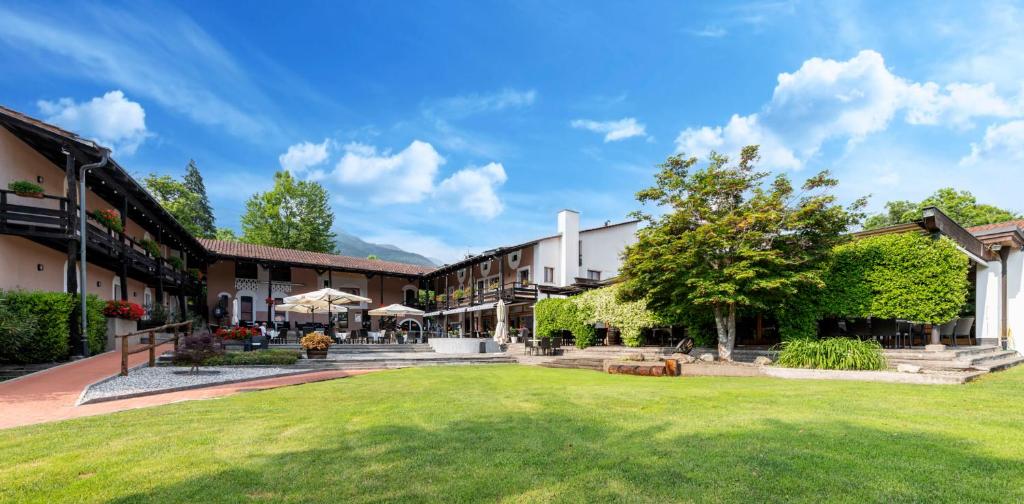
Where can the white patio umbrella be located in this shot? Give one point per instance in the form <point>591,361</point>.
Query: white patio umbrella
<point>311,307</point>
<point>500,329</point>
<point>395,310</point>
<point>327,296</point>
<point>236,309</point>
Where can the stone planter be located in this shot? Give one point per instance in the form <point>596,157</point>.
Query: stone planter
<point>37,195</point>
<point>316,354</point>
<point>117,327</point>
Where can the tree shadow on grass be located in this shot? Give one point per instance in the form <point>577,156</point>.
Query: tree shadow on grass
<point>544,457</point>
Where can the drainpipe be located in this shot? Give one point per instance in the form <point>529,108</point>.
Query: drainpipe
<point>1004,252</point>
<point>82,241</point>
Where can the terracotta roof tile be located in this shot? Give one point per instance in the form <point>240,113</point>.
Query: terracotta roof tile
<point>267,253</point>
<point>1019,223</point>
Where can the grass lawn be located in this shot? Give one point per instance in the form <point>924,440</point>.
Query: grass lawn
<point>521,433</point>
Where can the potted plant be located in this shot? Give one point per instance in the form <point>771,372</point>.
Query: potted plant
<point>122,318</point>
<point>150,246</point>
<point>26,189</point>
<point>175,262</point>
<point>109,218</point>
<point>316,345</point>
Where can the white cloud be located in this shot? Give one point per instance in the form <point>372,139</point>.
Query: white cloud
<point>709,31</point>
<point>465,105</point>
<point>404,177</point>
<point>154,52</point>
<point>475,190</point>
<point>826,100</point>
<point>614,131</point>
<point>1003,144</point>
<point>112,120</point>
<point>301,157</point>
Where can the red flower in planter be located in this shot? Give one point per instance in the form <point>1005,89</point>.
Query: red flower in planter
<point>123,310</point>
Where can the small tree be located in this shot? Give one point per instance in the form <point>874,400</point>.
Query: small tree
<point>294,214</point>
<point>196,348</point>
<point>729,241</point>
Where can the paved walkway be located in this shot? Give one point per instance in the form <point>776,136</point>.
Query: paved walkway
<point>50,395</point>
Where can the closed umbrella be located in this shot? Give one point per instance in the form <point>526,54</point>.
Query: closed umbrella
<point>236,309</point>
<point>500,329</point>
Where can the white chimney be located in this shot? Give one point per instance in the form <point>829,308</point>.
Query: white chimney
<point>569,249</point>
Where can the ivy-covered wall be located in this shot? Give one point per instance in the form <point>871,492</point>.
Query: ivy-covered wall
<point>578,315</point>
<point>908,276</point>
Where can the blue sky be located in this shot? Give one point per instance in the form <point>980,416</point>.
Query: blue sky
<point>447,127</point>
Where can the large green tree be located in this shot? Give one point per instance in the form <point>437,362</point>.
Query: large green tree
<point>177,199</point>
<point>960,206</point>
<point>294,214</point>
<point>729,239</point>
<point>204,213</point>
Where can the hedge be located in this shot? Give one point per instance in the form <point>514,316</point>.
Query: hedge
<point>908,276</point>
<point>52,313</point>
<point>555,315</point>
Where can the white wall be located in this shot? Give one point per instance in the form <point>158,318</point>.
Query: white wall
<point>1015,299</point>
<point>569,247</point>
<point>603,247</point>
<point>987,296</point>
<point>546,254</point>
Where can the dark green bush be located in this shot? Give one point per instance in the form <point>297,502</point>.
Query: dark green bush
<point>15,331</point>
<point>52,313</point>
<point>256,358</point>
<point>832,353</point>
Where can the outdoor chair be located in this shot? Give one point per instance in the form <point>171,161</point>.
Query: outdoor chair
<point>829,328</point>
<point>858,328</point>
<point>545,346</point>
<point>963,329</point>
<point>886,330</point>
<point>530,348</point>
<point>556,345</point>
<point>947,330</point>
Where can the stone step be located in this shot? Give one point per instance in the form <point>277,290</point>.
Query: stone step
<point>980,359</point>
<point>399,363</point>
<point>1001,364</point>
<point>983,361</point>
<point>950,353</point>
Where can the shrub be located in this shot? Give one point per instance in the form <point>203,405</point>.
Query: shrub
<point>832,353</point>
<point>52,313</point>
<point>97,328</point>
<point>124,310</point>
<point>197,348</point>
<point>316,341</point>
<point>258,358</point>
<point>109,218</point>
<point>15,331</point>
<point>24,187</point>
<point>157,314</point>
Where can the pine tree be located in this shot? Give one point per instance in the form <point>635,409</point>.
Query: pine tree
<point>204,219</point>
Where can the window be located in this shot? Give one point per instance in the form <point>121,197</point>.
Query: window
<point>524,276</point>
<point>549,274</point>
<point>410,297</point>
<point>246,302</point>
<point>594,275</point>
<point>581,252</point>
<point>281,274</point>
<point>342,319</point>
<point>246,270</point>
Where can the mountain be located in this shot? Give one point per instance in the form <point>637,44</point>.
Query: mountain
<point>354,246</point>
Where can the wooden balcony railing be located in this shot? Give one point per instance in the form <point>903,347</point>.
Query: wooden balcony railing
<point>513,292</point>
<point>48,217</point>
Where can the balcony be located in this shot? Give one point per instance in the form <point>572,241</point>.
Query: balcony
<point>511,293</point>
<point>47,220</point>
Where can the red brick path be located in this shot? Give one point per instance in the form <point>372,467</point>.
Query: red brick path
<point>51,394</point>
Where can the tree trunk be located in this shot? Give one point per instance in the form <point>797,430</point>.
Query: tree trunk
<point>725,323</point>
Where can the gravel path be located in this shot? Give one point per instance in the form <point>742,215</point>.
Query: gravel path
<point>149,380</point>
